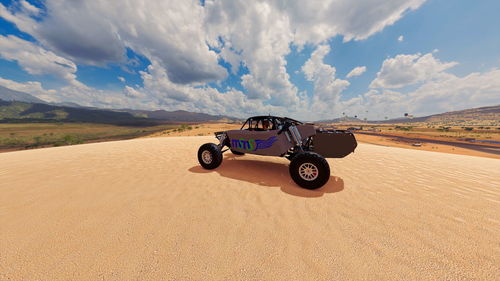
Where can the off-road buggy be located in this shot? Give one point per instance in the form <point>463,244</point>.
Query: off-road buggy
<point>305,145</point>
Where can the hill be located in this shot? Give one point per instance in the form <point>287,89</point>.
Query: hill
<point>180,115</point>
<point>467,116</point>
<point>7,94</point>
<point>345,119</point>
<point>22,112</point>
<point>481,115</point>
<point>15,107</point>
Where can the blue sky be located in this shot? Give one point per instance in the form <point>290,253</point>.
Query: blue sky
<point>261,62</point>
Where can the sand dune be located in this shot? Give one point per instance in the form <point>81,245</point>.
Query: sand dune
<point>144,210</point>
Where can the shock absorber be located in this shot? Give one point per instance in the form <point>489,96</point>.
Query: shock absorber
<point>297,138</point>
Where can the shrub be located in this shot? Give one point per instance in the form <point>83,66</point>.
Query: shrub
<point>403,128</point>
<point>68,140</point>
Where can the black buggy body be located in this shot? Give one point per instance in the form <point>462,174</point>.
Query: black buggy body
<point>305,145</point>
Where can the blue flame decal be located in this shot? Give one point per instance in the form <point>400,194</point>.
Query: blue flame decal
<point>263,144</point>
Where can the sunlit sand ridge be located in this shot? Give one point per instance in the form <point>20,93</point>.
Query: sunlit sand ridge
<point>145,210</point>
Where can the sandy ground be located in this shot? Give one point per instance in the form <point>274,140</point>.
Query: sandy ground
<point>143,209</point>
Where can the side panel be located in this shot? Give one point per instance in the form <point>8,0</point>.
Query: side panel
<point>334,144</point>
<point>259,142</point>
<point>306,131</point>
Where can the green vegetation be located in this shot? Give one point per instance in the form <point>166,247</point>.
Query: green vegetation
<point>183,128</point>
<point>21,112</point>
<point>402,128</point>
<point>32,135</point>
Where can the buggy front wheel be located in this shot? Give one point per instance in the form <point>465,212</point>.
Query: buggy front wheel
<point>209,156</point>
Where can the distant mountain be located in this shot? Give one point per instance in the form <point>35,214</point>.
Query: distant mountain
<point>75,112</point>
<point>23,112</point>
<point>466,116</point>
<point>180,115</point>
<point>489,113</point>
<point>7,94</point>
<point>341,120</point>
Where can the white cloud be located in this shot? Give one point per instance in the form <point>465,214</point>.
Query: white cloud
<point>29,9</point>
<point>404,70</point>
<point>456,93</point>
<point>35,59</point>
<point>260,33</point>
<point>21,17</point>
<point>434,96</point>
<point>317,21</point>
<point>171,96</point>
<point>97,32</point>
<point>356,71</point>
<point>133,93</point>
<point>175,37</point>
<point>401,38</point>
<point>34,88</point>
<point>327,88</point>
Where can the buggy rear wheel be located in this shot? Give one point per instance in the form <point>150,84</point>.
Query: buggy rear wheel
<point>209,156</point>
<point>309,170</point>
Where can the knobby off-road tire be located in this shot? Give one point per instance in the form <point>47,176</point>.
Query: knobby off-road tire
<point>309,170</point>
<point>209,156</point>
<point>237,152</point>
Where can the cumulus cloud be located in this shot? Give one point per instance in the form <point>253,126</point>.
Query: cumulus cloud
<point>133,93</point>
<point>95,32</point>
<point>327,88</point>
<point>34,88</point>
<point>159,89</point>
<point>29,9</point>
<point>35,59</point>
<point>356,71</point>
<point>316,21</point>
<point>404,70</point>
<point>259,33</point>
<point>434,96</point>
<point>184,41</point>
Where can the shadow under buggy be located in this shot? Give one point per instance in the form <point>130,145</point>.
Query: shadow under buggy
<point>303,144</point>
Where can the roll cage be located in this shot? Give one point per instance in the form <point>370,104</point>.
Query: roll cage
<point>276,123</point>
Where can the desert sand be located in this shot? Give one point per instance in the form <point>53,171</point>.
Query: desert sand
<point>144,209</point>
